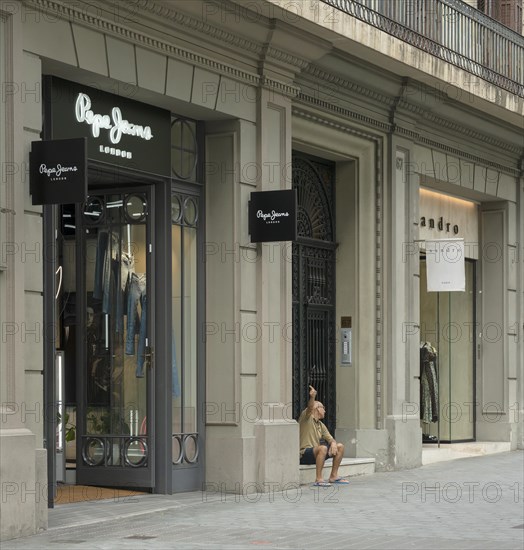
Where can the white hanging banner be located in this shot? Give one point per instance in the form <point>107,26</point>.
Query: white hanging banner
<point>445,265</point>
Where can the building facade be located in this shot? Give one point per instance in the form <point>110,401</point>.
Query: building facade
<point>148,343</point>
<point>508,12</point>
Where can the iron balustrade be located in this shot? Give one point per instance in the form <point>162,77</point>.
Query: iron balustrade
<point>450,30</point>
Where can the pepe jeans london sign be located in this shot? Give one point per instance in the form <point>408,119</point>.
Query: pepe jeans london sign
<point>273,216</point>
<point>116,125</point>
<point>119,130</point>
<point>58,171</point>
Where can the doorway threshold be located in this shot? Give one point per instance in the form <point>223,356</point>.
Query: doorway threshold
<point>69,494</point>
<point>431,452</point>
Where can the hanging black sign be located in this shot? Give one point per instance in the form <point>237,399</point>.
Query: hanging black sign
<point>273,216</point>
<point>58,171</point>
<point>119,130</point>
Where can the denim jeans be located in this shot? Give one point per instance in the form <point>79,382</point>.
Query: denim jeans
<point>125,268</point>
<point>101,250</point>
<point>142,339</point>
<point>105,275</point>
<point>137,324</point>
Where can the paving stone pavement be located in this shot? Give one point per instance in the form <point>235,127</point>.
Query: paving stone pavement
<point>470,503</point>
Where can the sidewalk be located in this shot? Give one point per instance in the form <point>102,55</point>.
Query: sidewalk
<point>470,503</point>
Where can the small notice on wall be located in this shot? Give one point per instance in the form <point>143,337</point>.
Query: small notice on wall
<point>445,265</point>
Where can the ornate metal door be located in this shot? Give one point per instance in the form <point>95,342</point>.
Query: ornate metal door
<point>114,340</point>
<point>314,286</point>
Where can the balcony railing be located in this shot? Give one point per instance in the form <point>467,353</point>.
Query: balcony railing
<point>450,30</point>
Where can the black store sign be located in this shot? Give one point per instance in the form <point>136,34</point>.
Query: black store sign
<point>119,130</point>
<point>58,171</point>
<point>273,216</point>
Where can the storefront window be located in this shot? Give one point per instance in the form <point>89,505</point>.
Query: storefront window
<point>117,322</point>
<point>184,218</point>
<point>447,361</point>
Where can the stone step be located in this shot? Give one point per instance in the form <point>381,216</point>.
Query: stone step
<point>431,452</point>
<point>349,467</point>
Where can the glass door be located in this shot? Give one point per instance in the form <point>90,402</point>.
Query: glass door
<point>447,361</point>
<point>114,344</point>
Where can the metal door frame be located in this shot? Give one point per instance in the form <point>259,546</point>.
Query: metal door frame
<point>142,476</point>
<point>103,177</point>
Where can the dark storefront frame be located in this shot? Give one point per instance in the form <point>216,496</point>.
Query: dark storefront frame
<point>102,176</point>
<point>189,475</point>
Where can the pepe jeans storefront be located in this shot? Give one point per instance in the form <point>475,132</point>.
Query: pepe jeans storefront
<point>122,364</point>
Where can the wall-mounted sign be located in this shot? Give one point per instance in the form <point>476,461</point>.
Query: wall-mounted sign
<point>443,216</point>
<point>273,216</point>
<point>119,130</point>
<point>439,224</point>
<point>58,171</point>
<point>445,265</point>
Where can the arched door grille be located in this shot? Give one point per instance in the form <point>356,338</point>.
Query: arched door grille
<point>314,286</point>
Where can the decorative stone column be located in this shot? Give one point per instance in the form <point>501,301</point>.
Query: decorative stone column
<point>401,349</point>
<point>276,433</point>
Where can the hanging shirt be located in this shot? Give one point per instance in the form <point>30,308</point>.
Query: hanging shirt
<point>127,266</point>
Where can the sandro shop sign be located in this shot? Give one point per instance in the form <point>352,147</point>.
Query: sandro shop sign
<point>119,130</point>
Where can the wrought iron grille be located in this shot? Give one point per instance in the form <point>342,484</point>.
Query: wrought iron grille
<point>450,30</point>
<point>314,286</point>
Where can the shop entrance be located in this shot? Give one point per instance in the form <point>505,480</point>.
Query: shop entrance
<point>447,361</point>
<point>105,347</point>
<point>314,286</point>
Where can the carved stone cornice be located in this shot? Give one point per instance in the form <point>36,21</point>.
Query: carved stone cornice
<point>285,57</point>
<point>287,90</point>
<point>415,136</point>
<point>410,107</point>
<point>241,43</point>
<point>73,13</point>
<point>104,25</point>
<point>345,86</point>
<point>459,153</point>
<point>186,21</point>
<point>345,127</point>
<point>469,132</point>
<point>346,113</point>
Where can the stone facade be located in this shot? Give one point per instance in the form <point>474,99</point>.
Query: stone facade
<point>268,80</point>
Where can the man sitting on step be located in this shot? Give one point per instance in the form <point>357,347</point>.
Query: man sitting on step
<point>317,444</point>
